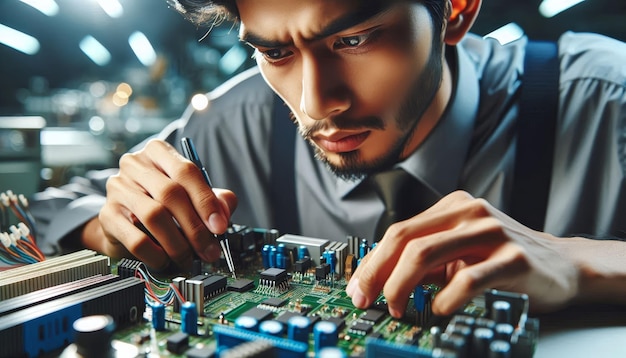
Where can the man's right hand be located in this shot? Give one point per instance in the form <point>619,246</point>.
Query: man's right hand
<point>160,209</point>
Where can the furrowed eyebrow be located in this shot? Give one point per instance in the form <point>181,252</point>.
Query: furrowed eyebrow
<point>344,22</point>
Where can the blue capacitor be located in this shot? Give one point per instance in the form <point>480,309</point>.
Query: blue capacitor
<point>281,261</point>
<point>271,327</point>
<point>265,254</point>
<point>331,259</point>
<point>189,318</point>
<point>363,249</point>
<point>325,334</point>
<point>303,252</point>
<point>330,352</point>
<point>158,316</point>
<point>247,323</point>
<point>273,252</point>
<point>420,296</point>
<point>298,328</point>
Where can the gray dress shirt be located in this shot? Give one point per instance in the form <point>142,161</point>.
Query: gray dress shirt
<point>471,148</point>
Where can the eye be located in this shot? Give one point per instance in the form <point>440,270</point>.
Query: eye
<point>275,54</point>
<point>354,41</point>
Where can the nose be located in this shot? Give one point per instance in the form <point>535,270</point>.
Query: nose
<point>324,91</point>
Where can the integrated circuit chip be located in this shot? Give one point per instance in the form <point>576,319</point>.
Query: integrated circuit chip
<point>373,315</point>
<point>274,302</point>
<point>361,328</point>
<point>241,285</point>
<point>258,314</point>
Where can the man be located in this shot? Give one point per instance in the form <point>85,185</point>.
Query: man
<point>374,85</point>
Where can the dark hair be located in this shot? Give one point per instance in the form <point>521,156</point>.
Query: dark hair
<point>211,12</point>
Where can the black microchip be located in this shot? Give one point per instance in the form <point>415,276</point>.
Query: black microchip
<point>274,302</point>
<point>361,328</point>
<point>302,265</point>
<point>339,322</point>
<point>376,335</point>
<point>373,315</point>
<point>273,274</point>
<point>213,285</point>
<point>285,316</point>
<point>314,320</point>
<point>241,285</point>
<point>258,314</point>
<point>178,342</point>
<point>204,352</point>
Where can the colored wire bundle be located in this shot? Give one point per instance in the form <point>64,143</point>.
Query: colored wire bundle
<point>19,246</point>
<point>18,242</point>
<point>157,290</point>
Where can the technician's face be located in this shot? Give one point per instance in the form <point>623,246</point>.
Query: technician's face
<point>357,79</point>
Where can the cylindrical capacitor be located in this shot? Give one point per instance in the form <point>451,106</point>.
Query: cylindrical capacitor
<point>189,318</point>
<point>481,340</point>
<point>93,335</point>
<point>325,334</point>
<point>363,249</point>
<point>331,259</point>
<point>501,312</point>
<point>158,316</point>
<point>280,257</point>
<point>298,328</point>
<point>503,331</point>
<point>273,252</point>
<point>271,327</point>
<point>303,252</point>
<point>248,323</point>
<point>265,255</point>
<point>499,349</point>
<point>435,336</point>
<point>330,352</point>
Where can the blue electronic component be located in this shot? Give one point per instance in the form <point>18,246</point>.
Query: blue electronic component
<point>375,348</point>
<point>189,318</point>
<point>273,252</point>
<point>228,337</point>
<point>158,316</point>
<point>420,297</point>
<point>330,352</point>
<point>303,252</point>
<point>281,258</point>
<point>298,328</point>
<point>325,334</point>
<point>331,260</point>
<point>363,249</point>
<point>265,254</point>
<point>271,327</point>
<point>247,323</point>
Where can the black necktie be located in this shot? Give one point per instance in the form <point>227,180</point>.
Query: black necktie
<point>403,196</point>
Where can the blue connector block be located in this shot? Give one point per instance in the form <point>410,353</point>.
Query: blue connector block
<point>375,348</point>
<point>228,337</point>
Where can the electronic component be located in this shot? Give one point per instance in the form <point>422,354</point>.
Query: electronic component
<point>241,285</point>
<point>258,314</point>
<point>273,281</point>
<point>127,267</point>
<point>178,342</point>
<point>298,328</point>
<point>271,327</point>
<point>45,327</point>
<point>247,322</point>
<point>189,318</point>
<point>314,246</point>
<point>227,337</point>
<point>51,272</point>
<point>361,328</point>
<point>204,352</point>
<point>158,316</point>
<point>202,287</point>
<point>325,334</point>
<point>275,302</point>
<point>373,316</point>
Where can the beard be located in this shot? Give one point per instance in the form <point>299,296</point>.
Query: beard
<point>412,108</point>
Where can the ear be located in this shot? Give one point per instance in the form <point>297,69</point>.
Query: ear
<point>462,16</point>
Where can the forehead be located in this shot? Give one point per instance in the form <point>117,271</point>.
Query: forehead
<point>283,21</point>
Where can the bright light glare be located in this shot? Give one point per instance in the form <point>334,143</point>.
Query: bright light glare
<point>233,59</point>
<point>199,102</point>
<point>113,8</point>
<point>95,50</point>
<point>46,7</point>
<point>142,48</point>
<point>96,125</point>
<point>18,40</point>
<point>507,33</point>
<point>550,8</point>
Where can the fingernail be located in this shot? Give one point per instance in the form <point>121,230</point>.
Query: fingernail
<point>358,298</point>
<point>216,223</point>
<point>350,288</point>
<point>395,313</point>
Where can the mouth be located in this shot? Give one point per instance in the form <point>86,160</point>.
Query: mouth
<point>341,142</point>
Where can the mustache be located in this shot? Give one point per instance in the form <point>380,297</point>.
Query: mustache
<point>342,123</point>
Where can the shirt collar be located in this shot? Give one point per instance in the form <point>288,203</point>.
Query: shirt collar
<point>438,162</point>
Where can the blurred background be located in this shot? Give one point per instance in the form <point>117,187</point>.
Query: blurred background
<point>82,81</point>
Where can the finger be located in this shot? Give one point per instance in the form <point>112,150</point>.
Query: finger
<point>124,239</point>
<point>424,256</point>
<point>202,197</point>
<point>504,269</point>
<point>376,267</point>
<point>153,215</point>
